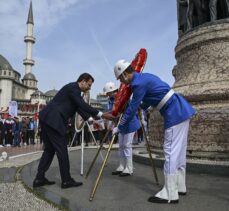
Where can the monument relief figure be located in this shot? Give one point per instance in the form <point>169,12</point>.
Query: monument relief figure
<point>213,9</point>
<point>201,75</point>
<point>197,13</point>
<point>182,15</point>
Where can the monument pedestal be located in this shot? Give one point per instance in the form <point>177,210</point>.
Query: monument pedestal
<point>202,77</point>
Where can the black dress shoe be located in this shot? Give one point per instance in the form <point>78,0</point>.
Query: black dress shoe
<point>155,199</point>
<point>70,183</point>
<point>124,174</point>
<point>39,183</point>
<point>116,172</point>
<point>182,193</point>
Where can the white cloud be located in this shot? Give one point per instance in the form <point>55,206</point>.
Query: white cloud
<point>13,17</point>
<point>49,13</point>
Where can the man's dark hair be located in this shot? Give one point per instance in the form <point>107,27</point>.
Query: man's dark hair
<point>85,77</point>
<point>129,69</point>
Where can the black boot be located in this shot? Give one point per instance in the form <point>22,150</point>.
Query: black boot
<point>124,174</point>
<point>116,172</point>
<point>155,199</point>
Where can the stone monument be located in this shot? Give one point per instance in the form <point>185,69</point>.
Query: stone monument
<point>202,77</point>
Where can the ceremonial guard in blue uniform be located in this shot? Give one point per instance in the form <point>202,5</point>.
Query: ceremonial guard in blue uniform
<point>149,90</point>
<point>110,90</point>
<point>125,136</point>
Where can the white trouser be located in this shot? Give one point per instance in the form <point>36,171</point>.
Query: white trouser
<point>125,145</point>
<point>125,153</point>
<point>175,146</point>
<point>181,180</point>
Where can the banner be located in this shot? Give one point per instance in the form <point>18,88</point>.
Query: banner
<point>13,108</point>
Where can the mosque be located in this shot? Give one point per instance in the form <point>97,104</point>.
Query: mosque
<point>22,90</point>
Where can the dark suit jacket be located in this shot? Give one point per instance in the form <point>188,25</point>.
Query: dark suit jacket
<point>64,105</point>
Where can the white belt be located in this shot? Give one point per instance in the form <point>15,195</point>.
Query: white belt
<point>165,99</point>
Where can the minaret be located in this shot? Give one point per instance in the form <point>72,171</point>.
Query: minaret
<point>29,40</point>
<point>29,79</point>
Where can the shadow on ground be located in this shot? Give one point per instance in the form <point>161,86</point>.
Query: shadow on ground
<point>205,192</point>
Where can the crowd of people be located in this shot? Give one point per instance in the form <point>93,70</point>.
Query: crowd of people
<point>17,131</point>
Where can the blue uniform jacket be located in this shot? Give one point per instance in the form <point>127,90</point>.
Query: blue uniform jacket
<point>132,126</point>
<point>149,89</point>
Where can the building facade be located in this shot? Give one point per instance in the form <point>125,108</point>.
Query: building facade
<point>22,90</point>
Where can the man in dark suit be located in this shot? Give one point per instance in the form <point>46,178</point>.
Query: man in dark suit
<point>53,121</point>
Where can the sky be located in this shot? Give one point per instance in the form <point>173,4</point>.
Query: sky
<point>77,36</point>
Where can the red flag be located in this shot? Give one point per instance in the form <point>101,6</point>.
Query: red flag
<point>36,116</point>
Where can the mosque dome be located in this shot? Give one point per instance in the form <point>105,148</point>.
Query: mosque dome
<point>51,93</point>
<point>37,93</point>
<point>4,64</point>
<point>29,76</point>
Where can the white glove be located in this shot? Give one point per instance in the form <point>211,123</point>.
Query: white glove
<point>90,120</point>
<point>115,131</point>
<point>100,114</point>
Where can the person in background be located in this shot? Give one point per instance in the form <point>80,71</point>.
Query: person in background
<point>70,130</point>
<point>125,137</point>
<point>9,131</point>
<point>2,130</point>
<point>39,134</point>
<point>110,90</point>
<point>24,136</point>
<point>31,130</point>
<point>17,132</point>
<point>145,125</point>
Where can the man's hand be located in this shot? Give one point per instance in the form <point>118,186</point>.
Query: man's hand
<point>96,125</point>
<point>90,120</point>
<point>108,115</point>
<point>115,131</point>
